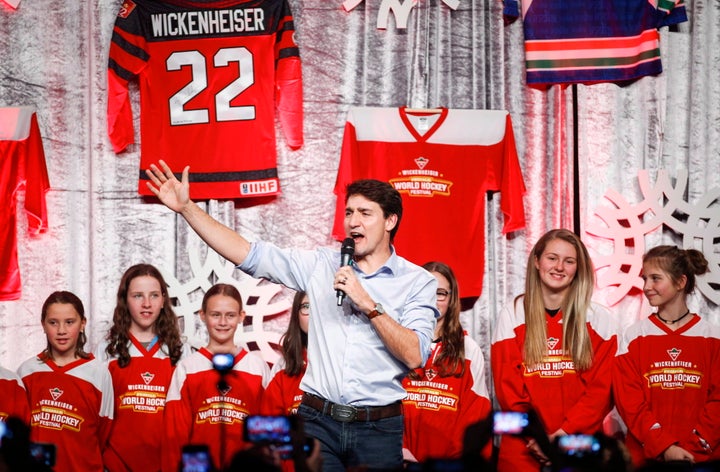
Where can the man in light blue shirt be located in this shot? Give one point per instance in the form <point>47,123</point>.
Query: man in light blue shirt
<point>358,352</point>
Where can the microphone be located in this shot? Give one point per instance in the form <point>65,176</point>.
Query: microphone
<point>346,254</point>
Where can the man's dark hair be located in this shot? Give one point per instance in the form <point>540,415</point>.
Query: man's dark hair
<point>381,193</point>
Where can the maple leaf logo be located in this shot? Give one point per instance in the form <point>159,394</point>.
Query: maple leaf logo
<point>674,353</point>
<point>147,377</point>
<point>421,162</point>
<point>430,374</point>
<point>552,342</point>
<point>55,393</point>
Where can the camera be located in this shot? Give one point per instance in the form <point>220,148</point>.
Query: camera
<point>223,362</point>
<point>272,430</point>
<point>196,458</point>
<point>510,422</point>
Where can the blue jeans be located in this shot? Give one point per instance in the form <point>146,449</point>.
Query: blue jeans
<point>377,445</point>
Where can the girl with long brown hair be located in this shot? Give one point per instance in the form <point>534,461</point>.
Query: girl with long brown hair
<point>553,350</point>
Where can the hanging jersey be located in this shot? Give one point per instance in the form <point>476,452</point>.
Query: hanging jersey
<point>72,407</point>
<point>443,407</point>
<point>591,42</point>
<point>442,163</point>
<point>667,385</point>
<point>22,165</point>
<point>13,398</point>
<point>140,390</point>
<point>203,408</point>
<point>211,75</point>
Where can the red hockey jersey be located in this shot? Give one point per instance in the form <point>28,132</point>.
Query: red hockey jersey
<point>667,385</point>
<point>442,164</point>
<point>211,75</point>
<point>282,395</point>
<point>437,410</point>
<point>22,165</point>
<point>13,398</point>
<point>199,410</point>
<point>140,390</point>
<point>563,398</point>
<point>72,407</point>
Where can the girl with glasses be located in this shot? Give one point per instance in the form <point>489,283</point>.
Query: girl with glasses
<point>448,393</point>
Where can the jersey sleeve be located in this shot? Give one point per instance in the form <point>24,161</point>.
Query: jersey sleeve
<point>127,57</point>
<point>272,400</point>
<point>107,405</point>
<point>596,401</point>
<point>178,420</point>
<point>512,187</point>
<point>37,182</point>
<point>707,427</point>
<point>344,177</point>
<point>507,364</point>
<point>289,96</point>
<point>13,398</point>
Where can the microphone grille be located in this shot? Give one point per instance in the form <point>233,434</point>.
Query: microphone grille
<point>348,246</point>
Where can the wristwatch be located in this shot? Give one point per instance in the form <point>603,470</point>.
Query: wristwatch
<point>376,311</point>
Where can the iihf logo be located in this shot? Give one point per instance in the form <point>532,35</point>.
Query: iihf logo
<point>55,393</point>
<point>674,353</point>
<point>551,343</point>
<point>147,377</point>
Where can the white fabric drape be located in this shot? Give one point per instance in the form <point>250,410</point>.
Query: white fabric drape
<point>53,55</point>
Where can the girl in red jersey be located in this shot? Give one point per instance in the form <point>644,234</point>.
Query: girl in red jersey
<point>142,348</point>
<point>207,403</point>
<point>449,393</point>
<point>667,374</point>
<point>283,395</point>
<point>553,350</point>
<point>69,391</point>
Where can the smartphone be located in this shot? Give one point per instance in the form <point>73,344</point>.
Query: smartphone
<point>578,445</point>
<point>3,431</point>
<point>196,458</point>
<point>509,422</point>
<point>43,453</point>
<point>274,430</point>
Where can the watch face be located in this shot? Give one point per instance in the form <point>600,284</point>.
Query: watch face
<point>379,308</point>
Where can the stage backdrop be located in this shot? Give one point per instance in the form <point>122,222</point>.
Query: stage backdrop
<point>53,56</point>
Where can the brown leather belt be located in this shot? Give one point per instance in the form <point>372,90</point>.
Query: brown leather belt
<point>347,413</point>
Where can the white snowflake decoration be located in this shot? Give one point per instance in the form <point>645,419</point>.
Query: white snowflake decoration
<point>662,204</point>
<point>260,303</point>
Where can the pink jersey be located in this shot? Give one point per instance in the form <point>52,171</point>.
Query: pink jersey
<point>576,401</point>
<point>72,407</point>
<point>13,398</point>
<point>199,410</point>
<point>22,166</point>
<point>140,390</point>
<point>442,164</point>
<point>667,385</point>
<point>437,410</point>
<point>212,76</point>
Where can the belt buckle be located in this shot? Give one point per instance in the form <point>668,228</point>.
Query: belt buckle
<point>343,413</point>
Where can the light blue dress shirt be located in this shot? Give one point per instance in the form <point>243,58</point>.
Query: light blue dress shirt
<point>347,361</point>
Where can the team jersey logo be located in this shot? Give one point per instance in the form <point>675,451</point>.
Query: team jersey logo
<point>126,8</point>
<point>224,391</point>
<point>147,377</point>
<point>674,353</point>
<point>552,342</point>
<point>430,374</point>
<point>421,162</point>
<point>55,393</point>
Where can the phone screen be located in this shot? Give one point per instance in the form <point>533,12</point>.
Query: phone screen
<point>578,445</point>
<point>43,453</point>
<point>196,458</point>
<point>267,429</point>
<point>509,422</point>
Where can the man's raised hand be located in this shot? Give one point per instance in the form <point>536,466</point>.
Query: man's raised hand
<point>170,191</point>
